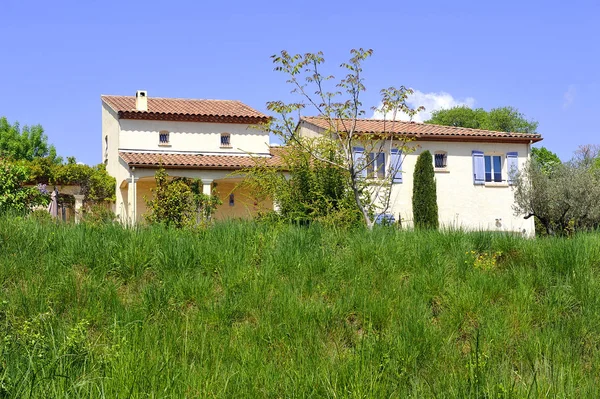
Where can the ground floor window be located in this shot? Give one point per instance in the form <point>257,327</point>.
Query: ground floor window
<point>376,167</point>
<point>493,168</point>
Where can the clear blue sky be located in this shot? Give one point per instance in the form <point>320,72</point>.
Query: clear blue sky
<point>542,57</point>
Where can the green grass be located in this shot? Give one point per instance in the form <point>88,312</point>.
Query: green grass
<point>250,310</point>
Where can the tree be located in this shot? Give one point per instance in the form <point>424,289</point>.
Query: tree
<point>14,196</point>
<point>461,116</point>
<point>565,198</point>
<point>503,119</point>
<point>546,159</point>
<point>339,103</point>
<point>424,200</point>
<point>26,144</point>
<point>587,155</point>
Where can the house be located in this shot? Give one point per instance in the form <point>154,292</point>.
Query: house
<point>210,139</point>
<point>471,170</point>
<point>199,139</point>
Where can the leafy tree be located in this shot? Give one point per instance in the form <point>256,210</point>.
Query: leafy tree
<point>14,196</point>
<point>461,116</point>
<point>339,103</point>
<point>179,202</point>
<point>545,159</point>
<point>314,191</point>
<point>26,144</point>
<point>503,119</point>
<point>424,200</point>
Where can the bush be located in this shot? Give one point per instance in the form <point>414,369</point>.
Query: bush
<point>316,191</point>
<point>179,202</point>
<point>14,197</point>
<point>424,201</point>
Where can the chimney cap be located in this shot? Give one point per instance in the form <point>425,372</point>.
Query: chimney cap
<point>141,93</point>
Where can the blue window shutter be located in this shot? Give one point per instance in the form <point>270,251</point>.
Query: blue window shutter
<point>512,162</point>
<point>396,165</point>
<point>359,161</point>
<point>478,168</point>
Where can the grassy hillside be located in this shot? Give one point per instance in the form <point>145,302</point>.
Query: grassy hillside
<point>246,310</point>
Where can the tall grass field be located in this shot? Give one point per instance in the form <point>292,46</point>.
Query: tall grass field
<point>256,310</point>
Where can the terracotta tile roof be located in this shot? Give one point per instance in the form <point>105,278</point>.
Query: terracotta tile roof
<point>424,131</point>
<point>198,161</point>
<point>185,109</point>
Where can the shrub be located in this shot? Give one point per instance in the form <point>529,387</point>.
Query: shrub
<point>13,195</point>
<point>424,201</point>
<point>179,202</point>
<point>316,191</point>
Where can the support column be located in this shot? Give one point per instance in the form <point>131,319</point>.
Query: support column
<point>132,200</point>
<point>78,206</point>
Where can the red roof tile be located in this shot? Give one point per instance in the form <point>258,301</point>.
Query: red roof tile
<point>198,161</point>
<point>422,131</point>
<point>186,110</point>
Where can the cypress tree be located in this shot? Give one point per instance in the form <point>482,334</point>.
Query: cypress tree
<point>424,200</point>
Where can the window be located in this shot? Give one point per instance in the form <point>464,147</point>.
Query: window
<point>105,148</point>
<point>163,138</point>
<point>231,200</point>
<point>225,140</point>
<point>488,168</point>
<point>440,160</point>
<point>376,166</point>
<point>493,168</point>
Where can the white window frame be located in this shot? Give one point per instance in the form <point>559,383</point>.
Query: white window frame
<point>503,176</point>
<point>376,170</point>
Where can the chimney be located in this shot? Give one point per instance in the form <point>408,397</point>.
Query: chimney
<point>141,100</point>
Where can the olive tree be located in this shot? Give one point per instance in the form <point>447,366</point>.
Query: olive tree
<point>563,199</point>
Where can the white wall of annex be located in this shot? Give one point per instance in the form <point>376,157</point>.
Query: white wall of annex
<point>462,204</point>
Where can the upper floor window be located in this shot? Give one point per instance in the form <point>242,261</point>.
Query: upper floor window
<point>440,160</point>
<point>225,140</point>
<point>163,137</point>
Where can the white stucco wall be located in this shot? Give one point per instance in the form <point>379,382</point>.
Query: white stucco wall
<point>462,204</point>
<point>110,131</point>
<point>143,135</point>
